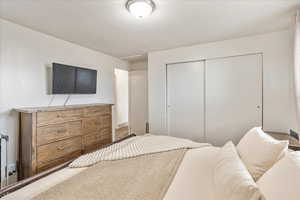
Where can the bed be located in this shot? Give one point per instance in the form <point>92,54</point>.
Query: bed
<point>199,175</point>
<point>182,187</point>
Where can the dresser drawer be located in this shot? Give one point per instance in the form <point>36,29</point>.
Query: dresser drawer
<point>54,117</point>
<point>92,124</point>
<point>91,139</point>
<point>53,133</point>
<point>106,121</point>
<point>96,111</point>
<point>97,139</point>
<point>56,150</point>
<point>47,165</point>
<point>93,147</point>
<point>106,134</point>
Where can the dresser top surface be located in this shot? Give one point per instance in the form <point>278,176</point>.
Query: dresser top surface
<point>57,108</point>
<point>285,136</point>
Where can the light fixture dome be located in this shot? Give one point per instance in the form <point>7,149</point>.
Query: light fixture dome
<point>140,8</point>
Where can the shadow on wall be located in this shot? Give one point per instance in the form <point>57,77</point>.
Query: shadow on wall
<point>48,78</point>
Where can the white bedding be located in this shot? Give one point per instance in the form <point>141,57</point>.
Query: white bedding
<point>193,180</point>
<point>136,146</point>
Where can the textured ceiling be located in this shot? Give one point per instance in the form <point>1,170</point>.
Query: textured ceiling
<point>105,25</point>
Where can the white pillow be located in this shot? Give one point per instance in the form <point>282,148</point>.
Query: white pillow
<point>282,181</point>
<point>231,178</point>
<point>260,152</point>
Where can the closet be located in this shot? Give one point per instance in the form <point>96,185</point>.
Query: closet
<point>215,100</point>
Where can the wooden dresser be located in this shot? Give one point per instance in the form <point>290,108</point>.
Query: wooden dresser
<point>293,143</point>
<point>50,136</point>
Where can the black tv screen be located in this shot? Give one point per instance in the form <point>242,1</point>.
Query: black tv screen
<point>73,80</point>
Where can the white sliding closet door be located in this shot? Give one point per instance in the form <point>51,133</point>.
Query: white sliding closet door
<point>233,97</point>
<point>185,100</point>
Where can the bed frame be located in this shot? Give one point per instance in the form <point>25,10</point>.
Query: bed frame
<point>27,181</point>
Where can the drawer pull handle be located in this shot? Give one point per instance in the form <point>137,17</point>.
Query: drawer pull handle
<point>61,131</point>
<point>60,148</point>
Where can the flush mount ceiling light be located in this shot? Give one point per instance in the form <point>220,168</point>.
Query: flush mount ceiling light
<point>140,8</point>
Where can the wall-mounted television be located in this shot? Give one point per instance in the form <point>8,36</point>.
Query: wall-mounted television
<point>73,80</point>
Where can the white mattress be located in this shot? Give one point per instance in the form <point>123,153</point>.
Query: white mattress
<point>193,180</point>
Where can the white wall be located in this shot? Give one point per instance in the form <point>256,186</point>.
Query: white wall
<point>121,77</point>
<point>277,49</point>
<point>25,58</point>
